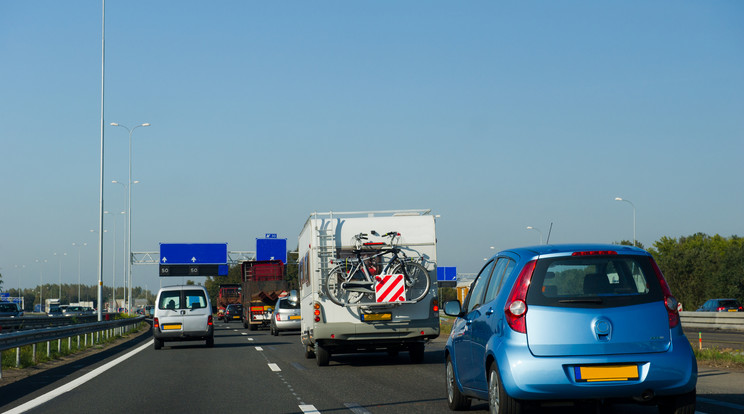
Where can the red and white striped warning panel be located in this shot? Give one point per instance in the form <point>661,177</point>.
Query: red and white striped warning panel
<point>390,288</point>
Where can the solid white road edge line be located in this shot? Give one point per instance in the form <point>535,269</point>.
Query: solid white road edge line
<point>74,384</point>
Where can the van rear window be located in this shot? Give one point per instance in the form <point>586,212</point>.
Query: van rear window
<point>594,281</point>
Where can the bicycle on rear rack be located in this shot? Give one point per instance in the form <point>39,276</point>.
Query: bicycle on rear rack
<point>353,280</point>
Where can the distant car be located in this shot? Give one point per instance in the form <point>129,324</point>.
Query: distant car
<point>567,324</point>
<point>149,311</point>
<point>89,311</point>
<point>233,312</point>
<point>286,316</point>
<point>10,310</point>
<point>183,313</point>
<point>721,305</point>
<point>73,310</point>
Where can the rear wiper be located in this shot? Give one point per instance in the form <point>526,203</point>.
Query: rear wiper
<point>587,300</point>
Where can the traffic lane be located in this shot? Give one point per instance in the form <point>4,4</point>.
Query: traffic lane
<point>182,377</point>
<point>378,383</point>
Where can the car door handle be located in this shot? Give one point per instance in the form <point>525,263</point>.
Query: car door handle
<point>489,312</point>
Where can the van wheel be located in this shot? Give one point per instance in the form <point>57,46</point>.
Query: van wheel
<point>251,327</point>
<point>678,404</point>
<point>455,400</point>
<point>245,325</point>
<point>499,401</point>
<point>322,356</point>
<point>158,343</point>
<point>416,352</point>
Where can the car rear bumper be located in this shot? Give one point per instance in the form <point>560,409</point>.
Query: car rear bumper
<point>548,378</point>
<point>183,335</point>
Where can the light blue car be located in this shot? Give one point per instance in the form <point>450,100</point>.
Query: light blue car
<point>568,324</point>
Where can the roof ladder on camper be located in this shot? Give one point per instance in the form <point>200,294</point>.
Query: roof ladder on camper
<point>326,232</point>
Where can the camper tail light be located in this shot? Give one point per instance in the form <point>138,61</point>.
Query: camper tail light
<point>316,311</point>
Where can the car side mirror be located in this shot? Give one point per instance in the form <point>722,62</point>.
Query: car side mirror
<point>452,308</point>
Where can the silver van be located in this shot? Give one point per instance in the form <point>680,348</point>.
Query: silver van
<point>183,313</point>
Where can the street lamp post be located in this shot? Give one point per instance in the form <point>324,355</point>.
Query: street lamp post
<point>41,283</point>
<point>129,210</point>
<point>60,273</point>
<point>79,245</point>
<point>634,216</point>
<point>537,230</point>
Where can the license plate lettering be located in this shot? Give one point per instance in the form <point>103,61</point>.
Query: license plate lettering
<point>377,317</point>
<point>596,373</point>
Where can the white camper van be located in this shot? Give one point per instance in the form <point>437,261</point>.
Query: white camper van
<point>368,283</point>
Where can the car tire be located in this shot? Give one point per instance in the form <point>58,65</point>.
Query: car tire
<point>251,327</point>
<point>309,352</point>
<point>678,404</point>
<point>322,356</point>
<point>158,343</point>
<point>455,400</point>
<point>416,352</point>
<point>499,401</point>
<point>210,342</point>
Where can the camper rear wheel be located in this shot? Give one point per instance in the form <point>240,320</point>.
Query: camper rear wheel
<point>322,356</point>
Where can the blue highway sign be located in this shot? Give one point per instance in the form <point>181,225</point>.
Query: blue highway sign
<point>271,249</point>
<point>446,273</point>
<point>193,253</point>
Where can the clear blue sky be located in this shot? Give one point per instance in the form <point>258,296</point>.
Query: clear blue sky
<point>495,115</point>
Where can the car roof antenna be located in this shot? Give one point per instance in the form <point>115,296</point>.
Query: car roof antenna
<point>547,241</point>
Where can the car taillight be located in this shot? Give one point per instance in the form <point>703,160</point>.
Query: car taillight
<point>720,308</point>
<point>516,305</point>
<point>155,323</point>
<point>209,320</point>
<point>278,318</point>
<point>669,301</point>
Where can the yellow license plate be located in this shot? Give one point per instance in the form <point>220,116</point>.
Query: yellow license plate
<point>295,317</point>
<point>732,310</point>
<point>595,373</point>
<point>236,317</point>
<point>377,317</point>
<point>171,327</point>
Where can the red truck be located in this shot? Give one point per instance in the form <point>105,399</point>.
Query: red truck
<point>263,284</point>
<point>228,294</point>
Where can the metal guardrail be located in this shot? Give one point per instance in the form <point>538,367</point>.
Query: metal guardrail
<point>34,336</point>
<point>729,321</point>
<point>37,322</point>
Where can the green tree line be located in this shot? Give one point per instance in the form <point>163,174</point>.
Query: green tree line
<point>701,267</point>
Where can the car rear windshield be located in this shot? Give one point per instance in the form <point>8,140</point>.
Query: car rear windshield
<point>729,303</point>
<point>182,299</point>
<point>285,304</point>
<point>594,282</point>
<point>8,307</point>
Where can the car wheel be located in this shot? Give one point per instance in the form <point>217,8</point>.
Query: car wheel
<point>322,356</point>
<point>499,402</point>
<point>455,399</point>
<point>678,404</point>
<point>416,352</point>
<point>158,343</point>
<point>210,342</point>
<point>309,353</point>
<point>251,327</point>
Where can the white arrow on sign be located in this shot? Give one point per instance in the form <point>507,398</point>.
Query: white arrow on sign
<point>193,259</point>
<point>165,259</point>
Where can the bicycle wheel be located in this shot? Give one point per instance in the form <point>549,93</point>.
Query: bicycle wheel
<point>417,280</point>
<point>333,286</point>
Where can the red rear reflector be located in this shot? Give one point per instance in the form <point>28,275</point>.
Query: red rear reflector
<point>594,253</point>
<point>374,244</point>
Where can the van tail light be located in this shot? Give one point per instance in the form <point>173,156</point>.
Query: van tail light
<point>156,323</point>
<point>720,308</point>
<point>210,321</point>
<point>278,317</point>
<point>516,305</point>
<point>669,301</point>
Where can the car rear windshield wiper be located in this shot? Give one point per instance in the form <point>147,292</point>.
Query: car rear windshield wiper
<point>587,300</point>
